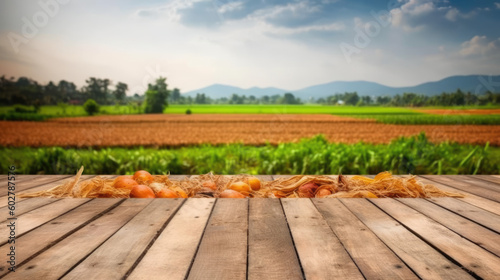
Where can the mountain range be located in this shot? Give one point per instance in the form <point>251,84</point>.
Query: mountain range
<point>472,83</point>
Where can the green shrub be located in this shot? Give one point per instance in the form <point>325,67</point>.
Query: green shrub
<point>91,107</point>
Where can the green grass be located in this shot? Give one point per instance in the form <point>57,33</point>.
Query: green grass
<point>414,155</point>
<point>435,119</point>
<point>389,115</point>
<point>286,109</point>
<point>57,111</point>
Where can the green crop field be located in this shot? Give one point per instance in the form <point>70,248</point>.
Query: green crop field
<point>389,115</point>
<point>415,155</point>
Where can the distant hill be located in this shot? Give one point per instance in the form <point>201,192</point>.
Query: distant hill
<point>465,83</point>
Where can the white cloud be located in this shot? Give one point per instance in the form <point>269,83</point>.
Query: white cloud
<point>337,26</point>
<point>480,45</point>
<point>302,8</point>
<point>414,15</point>
<point>497,5</point>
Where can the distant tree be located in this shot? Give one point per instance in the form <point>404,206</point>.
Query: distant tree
<point>156,97</point>
<point>176,95</point>
<point>91,107</point>
<point>120,92</point>
<point>351,98</point>
<point>289,98</point>
<point>97,89</point>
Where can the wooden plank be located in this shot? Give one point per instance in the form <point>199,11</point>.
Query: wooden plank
<point>479,235</point>
<point>47,235</point>
<point>175,248</point>
<point>26,206</point>
<point>470,198</point>
<point>271,253</point>
<point>478,215</point>
<point>223,249</point>
<point>40,216</point>
<point>57,260</point>
<point>475,181</point>
<point>320,252</point>
<point>469,255</point>
<point>424,260</point>
<point>117,255</point>
<point>376,261</point>
<point>4,201</point>
<point>489,178</point>
<point>477,190</point>
<point>38,181</point>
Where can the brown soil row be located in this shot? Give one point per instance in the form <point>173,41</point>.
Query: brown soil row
<point>217,129</point>
<point>461,112</point>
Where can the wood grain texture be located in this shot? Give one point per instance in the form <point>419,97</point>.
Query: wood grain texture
<point>469,255</point>
<point>271,253</point>
<point>40,216</point>
<point>375,261</point>
<point>321,254</point>
<point>57,260</point>
<point>46,235</point>
<point>223,249</point>
<point>4,201</point>
<point>424,260</point>
<point>476,214</point>
<point>25,206</point>
<point>475,181</point>
<point>474,232</point>
<point>474,189</point>
<point>470,198</point>
<point>24,184</point>
<point>489,178</point>
<point>118,254</point>
<point>175,248</point>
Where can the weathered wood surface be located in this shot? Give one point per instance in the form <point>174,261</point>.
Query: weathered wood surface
<point>438,238</point>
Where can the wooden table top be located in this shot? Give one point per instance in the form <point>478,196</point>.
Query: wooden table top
<point>207,238</point>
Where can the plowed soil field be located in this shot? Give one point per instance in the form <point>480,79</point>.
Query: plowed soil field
<point>182,130</point>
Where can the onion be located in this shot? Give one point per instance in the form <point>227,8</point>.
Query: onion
<point>307,190</point>
<point>166,193</point>
<point>210,185</point>
<point>240,187</point>
<point>254,183</point>
<point>323,192</point>
<point>231,194</point>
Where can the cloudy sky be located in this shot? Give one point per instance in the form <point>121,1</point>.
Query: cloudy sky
<point>245,43</point>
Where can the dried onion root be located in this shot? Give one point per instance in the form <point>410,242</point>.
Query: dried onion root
<point>383,185</point>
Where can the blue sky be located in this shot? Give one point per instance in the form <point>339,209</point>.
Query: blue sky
<point>286,44</point>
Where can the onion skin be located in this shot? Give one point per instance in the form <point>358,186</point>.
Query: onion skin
<point>143,177</point>
<point>307,190</point>
<point>231,194</point>
<point>323,193</point>
<point>157,187</point>
<point>167,193</point>
<point>209,184</point>
<point>254,183</point>
<point>123,182</point>
<point>240,187</point>
<point>142,191</point>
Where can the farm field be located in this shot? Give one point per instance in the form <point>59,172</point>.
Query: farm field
<point>460,112</point>
<point>485,115</point>
<point>187,130</point>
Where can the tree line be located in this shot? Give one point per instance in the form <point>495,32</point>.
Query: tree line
<point>25,91</point>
